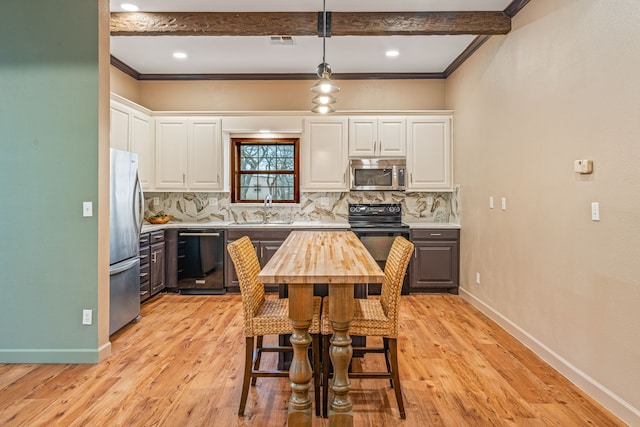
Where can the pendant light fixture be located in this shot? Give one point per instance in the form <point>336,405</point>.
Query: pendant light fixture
<point>324,88</point>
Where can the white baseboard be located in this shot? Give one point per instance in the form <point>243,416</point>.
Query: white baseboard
<point>619,407</point>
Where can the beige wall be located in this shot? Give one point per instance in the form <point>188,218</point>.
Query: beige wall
<point>124,85</point>
<point>563,85</point>
<point>290,95</point>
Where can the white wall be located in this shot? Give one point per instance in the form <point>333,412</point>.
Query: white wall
<point>563,85</point>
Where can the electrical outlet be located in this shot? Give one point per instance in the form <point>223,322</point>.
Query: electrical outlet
<point>324,202</point>
<point>87,317</point>
<point>595,211</point>
<point>156,201</point>
<point>477,278</point>
<point>213,201</point>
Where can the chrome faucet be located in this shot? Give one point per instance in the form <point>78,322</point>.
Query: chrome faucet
<point>268,201</point>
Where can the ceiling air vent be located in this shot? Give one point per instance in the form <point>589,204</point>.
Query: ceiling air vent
<point>282,40</point>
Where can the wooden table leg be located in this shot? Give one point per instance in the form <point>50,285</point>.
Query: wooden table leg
<point>300,374</point>
<point>341,314</point>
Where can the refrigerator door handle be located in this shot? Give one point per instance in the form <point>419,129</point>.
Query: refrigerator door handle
<point>123,266</point>
<point>138,194</point>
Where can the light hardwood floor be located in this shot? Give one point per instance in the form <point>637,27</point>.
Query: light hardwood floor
<point>181,365</point>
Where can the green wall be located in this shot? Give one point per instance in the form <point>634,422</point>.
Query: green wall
<point>48,167</point>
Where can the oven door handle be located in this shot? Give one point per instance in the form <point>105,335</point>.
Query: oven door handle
<point>200,234</point>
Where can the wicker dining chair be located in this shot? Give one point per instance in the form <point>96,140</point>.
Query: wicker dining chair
<point>264,316</point>
<point>375,317</point>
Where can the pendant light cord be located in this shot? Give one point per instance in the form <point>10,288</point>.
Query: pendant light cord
<point>324,31</point>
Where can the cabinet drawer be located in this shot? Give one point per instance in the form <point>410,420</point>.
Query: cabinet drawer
<point>157,288</point>
<point>144,273</point>
<point>257,233</point>
<point>145,291</point>
<point>144,256</point>
<point>144,239</point>
<point>435,234</point>
<point>157,236</point>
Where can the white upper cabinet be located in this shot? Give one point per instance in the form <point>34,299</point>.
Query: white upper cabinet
<point>171,153</point>
<point>119,135</point>
<point>383,136</point>
<point>188,153</point>
<point>429,153</point>
<point>324,154</point>
<point>132,130</point>
<point>204,165</point>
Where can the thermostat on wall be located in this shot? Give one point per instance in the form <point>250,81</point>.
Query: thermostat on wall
<point>583,166</point>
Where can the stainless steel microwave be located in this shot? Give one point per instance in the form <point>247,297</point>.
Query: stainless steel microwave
<point>377,174</point>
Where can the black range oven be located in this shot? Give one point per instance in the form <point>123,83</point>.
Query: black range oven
<point>377,225</point>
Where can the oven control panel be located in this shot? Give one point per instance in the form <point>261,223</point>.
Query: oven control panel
<point>375,209</point>
<point>375,214</point>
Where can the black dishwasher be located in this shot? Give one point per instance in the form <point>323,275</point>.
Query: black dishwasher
<point>201,261</point>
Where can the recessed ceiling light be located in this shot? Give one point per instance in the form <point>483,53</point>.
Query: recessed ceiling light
<point>179,55</point>
<point>392,53</point>
<point>129,7</point>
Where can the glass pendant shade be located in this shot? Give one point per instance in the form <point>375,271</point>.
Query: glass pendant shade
<point>325,85</point>
<point>324,99</point>
<point>323,109</point>
<point>323,102</point>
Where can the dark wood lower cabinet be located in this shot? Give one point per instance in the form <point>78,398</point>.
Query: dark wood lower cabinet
<point>171,259</point>
<point>152,264</point>
<point>435,264</point>
<point>145,270</point>
<point>265,241</point>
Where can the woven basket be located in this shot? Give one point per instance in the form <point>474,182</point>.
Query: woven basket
<point>159,220</point>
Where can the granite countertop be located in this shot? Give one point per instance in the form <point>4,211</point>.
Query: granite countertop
<point>146,227</point>
<point>416,223</point>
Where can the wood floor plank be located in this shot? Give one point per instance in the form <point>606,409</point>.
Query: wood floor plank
<point>182,365</point>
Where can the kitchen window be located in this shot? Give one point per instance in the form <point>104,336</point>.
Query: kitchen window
<point>265,166</point>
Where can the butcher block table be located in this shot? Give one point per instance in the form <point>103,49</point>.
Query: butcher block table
<point>339,259</point>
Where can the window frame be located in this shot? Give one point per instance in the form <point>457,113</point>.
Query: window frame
<point>237,143</point>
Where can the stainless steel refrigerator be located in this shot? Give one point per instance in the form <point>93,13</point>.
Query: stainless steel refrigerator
<point>125,223</point>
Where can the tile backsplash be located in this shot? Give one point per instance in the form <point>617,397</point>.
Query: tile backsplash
<point>324,207</point>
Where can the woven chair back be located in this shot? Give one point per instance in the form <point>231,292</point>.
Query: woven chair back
<point>247,267</point>
<point>394,271</point>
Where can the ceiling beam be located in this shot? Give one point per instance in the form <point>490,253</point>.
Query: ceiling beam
<point>306,23</point>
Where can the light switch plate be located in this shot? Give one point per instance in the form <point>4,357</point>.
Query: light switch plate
<point>504,203</point>
<point>87,209</point>
<point>490,202</point>
<point>87,317</point>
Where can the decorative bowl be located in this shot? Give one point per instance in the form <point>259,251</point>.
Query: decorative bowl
<point>159,219</point>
